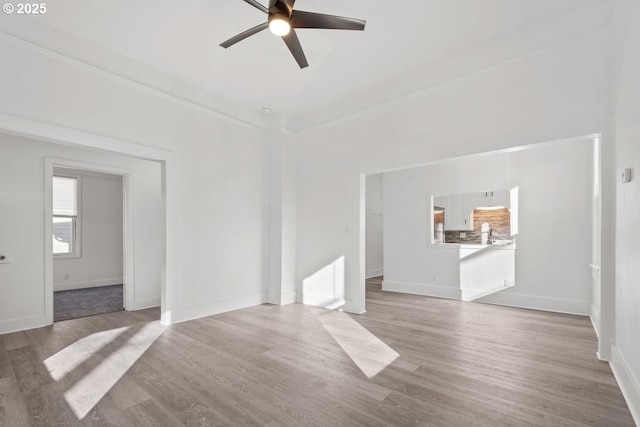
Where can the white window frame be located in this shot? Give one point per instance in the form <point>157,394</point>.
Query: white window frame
<point>77,244</point>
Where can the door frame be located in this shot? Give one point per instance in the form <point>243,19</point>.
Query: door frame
<point>128,259</point>
<point>61,135</point>
<point>603,229</point>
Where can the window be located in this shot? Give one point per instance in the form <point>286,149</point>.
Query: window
<point>66,240</point>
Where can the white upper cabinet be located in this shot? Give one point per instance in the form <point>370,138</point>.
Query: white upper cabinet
<point>440,202</point>
<point>493,198</point>
<point>458,209</point>
<point>457,215</point>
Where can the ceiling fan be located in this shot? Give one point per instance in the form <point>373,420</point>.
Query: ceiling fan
<point>283,20</point>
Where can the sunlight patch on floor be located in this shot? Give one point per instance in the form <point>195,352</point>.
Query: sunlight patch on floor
<point>367,351</point>
<point>87,392</point>
<point>69,358</point>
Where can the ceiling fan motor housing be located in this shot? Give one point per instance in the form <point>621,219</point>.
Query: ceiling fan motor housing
<point>282,8</point>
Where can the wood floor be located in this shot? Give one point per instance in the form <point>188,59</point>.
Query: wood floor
<point>409,360</point>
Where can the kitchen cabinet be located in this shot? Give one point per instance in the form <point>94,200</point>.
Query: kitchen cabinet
<point>493,198</point>
<point>457,214</point>
<point>440,202</point>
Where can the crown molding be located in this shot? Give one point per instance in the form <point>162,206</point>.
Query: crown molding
<point>578,24</point>
<point>130,82</point>
<point>584,21</point>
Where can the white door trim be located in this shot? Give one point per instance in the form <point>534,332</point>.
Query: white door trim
<point>66,136</point>
<point>128,265</point>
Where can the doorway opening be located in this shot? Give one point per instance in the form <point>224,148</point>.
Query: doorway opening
<point>87,242</point>
<point>557,203</point>
<point>374,237</point>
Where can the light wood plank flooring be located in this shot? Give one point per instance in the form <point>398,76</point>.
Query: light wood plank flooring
<point>409,360</point>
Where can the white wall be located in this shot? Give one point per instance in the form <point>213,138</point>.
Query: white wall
<point>280,193</point>
<point>486,272</point>
<point>558,92</point>
<point>101,226</point>
<point>217,168</point>
<point>22,219</point>
<point>626,353</point>
<point>553,252</point>
<point>374,250</point>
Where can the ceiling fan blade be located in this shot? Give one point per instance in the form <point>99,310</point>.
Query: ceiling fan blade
<point>293,43</point>
<point>257,5</point>
<point>238,38</point>
<point>302,19</point>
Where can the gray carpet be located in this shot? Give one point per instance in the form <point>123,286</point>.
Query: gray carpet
<point>86,302</point>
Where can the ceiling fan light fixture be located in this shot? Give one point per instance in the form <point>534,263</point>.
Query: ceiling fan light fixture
<point>284,20</point>
<point>279,24</point>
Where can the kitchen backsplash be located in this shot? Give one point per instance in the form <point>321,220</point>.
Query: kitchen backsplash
<point>499,220</point>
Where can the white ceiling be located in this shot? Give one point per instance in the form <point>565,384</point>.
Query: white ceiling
<point>402,40</point>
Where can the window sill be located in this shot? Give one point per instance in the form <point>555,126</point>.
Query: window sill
<point>66,256</point>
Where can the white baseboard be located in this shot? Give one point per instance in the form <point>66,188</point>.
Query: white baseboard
<point>350,307</point>
<point>374,273</point>
<point>448,292</point>
<point>627,381</point>
<point>146,303</point>
<point>558,305</point>
<point>16,325</point>
<point>474,294</point>
<point>329,302</point>
<point>281,299</point>
<point>68,286</point>
<point>196,311</point>
<point>512,300</point>
<point>288,298</point>
<point>326,301</point>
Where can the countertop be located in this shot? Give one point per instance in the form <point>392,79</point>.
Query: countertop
<point>499,244</point>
